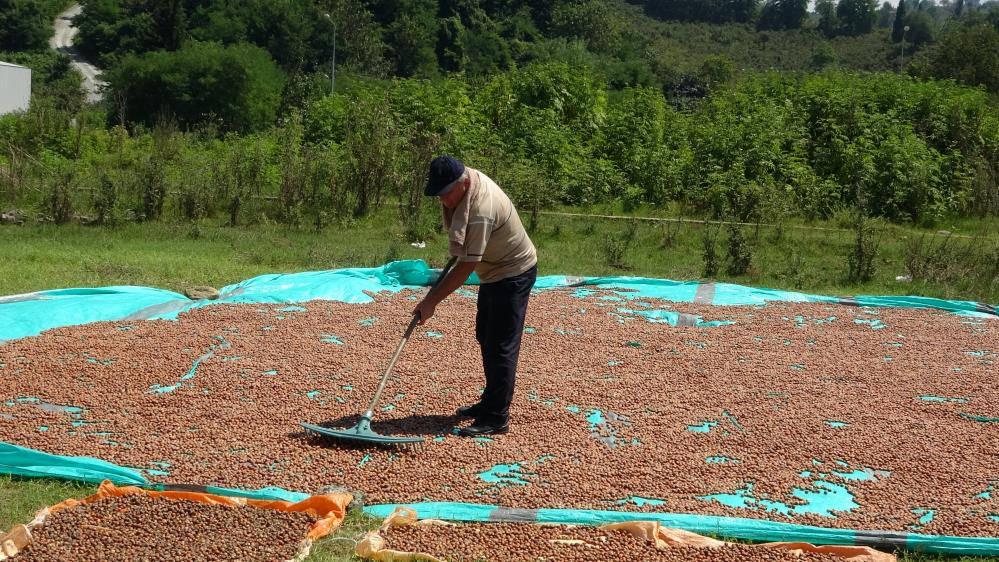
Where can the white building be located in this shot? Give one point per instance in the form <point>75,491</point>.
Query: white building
<point>15,88</point>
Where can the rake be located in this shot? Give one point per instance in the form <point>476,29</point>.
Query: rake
<point>361,432</point>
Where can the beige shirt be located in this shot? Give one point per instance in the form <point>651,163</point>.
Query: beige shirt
<point>486,228</point>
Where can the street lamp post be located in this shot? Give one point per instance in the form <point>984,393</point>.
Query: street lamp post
<point>901,61</point>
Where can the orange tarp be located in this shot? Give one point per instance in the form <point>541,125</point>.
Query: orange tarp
<point>373,546</point>
<point>330,509</point>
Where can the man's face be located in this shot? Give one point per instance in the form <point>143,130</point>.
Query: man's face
<point>454,196</point>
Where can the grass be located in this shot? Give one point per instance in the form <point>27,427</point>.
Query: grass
<point>177,256</point>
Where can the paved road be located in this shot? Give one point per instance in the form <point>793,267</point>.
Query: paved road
<point>62,41</point>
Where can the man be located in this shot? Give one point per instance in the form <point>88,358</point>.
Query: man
<point>486,235</point>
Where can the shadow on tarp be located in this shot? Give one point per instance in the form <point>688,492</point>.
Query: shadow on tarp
<point>22,461</point>
<point>32,313</point>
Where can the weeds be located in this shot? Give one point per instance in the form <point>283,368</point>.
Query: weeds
<point>393,253</point>
<point>419,152</point>
<point>960,266</point>
<point>709,252</point>
<point>614,249</point>
<point>740,254</point>
<point>616,246</point>
<point>151,178</point>
<point>105,202</point>
<point>59,202</point>
<point>861,262</point>
<point>669,231</point>
<point>793,272</point>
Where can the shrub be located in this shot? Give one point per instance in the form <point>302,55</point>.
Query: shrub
<point>740,254</point>
<point>861,262</point>
<point>238,87</point>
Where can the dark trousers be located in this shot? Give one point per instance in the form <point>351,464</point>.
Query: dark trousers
<point>499,326</point>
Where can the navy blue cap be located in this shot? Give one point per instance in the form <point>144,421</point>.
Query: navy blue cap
<point>444,171</point>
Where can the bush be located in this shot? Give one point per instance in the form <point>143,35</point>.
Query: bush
<point>861,262</point>
<point>59,206</point>
<point>106,202</point>
<point>764,148</point>
<point>964,267</point>
<point>24,25</point>
<point>968,54</point>
<point>740,254</point>
<point>822,56</point>
<point>793,271</point>
<point>237,88</point>
<point>616,246</point>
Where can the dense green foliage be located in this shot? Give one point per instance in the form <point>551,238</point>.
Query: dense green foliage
<point>237,87</point>
<point>783,14</point>
<point>968,53</point>
<point>580,103</point>
<point>715,11</point>
<point>427,38</point>
<point>762,148</point>
<point>677,49</point>
<point>26,25</point>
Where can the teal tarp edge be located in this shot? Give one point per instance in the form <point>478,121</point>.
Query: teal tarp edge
<point>759,530</point>
<point>22,461</point>
<point>32,313</point>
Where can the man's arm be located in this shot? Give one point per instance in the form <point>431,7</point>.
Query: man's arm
<point>455,278</point>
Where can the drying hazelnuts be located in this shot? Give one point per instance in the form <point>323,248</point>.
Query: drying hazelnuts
<point>888,412</point>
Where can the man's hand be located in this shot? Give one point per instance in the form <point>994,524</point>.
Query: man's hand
<point>457,276</point>
<point>425,309</point>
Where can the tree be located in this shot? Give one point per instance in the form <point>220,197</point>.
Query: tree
<point>412,46</point>
<point>857,17</point>
<point>714,11</point>
<point>885,15</point>
<point>922,28</point>
<point>236,87</point>
<point>468,40</point>
<point>959,8</point>
<point>170,22</point>
<point>592,21</point>
<point>828,21</point>
<point>22,26</point>
<point>783,14</point>
<point>898,29</point>
<point>968,54</point>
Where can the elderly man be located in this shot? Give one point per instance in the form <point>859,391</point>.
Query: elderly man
<point>487,237</point>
